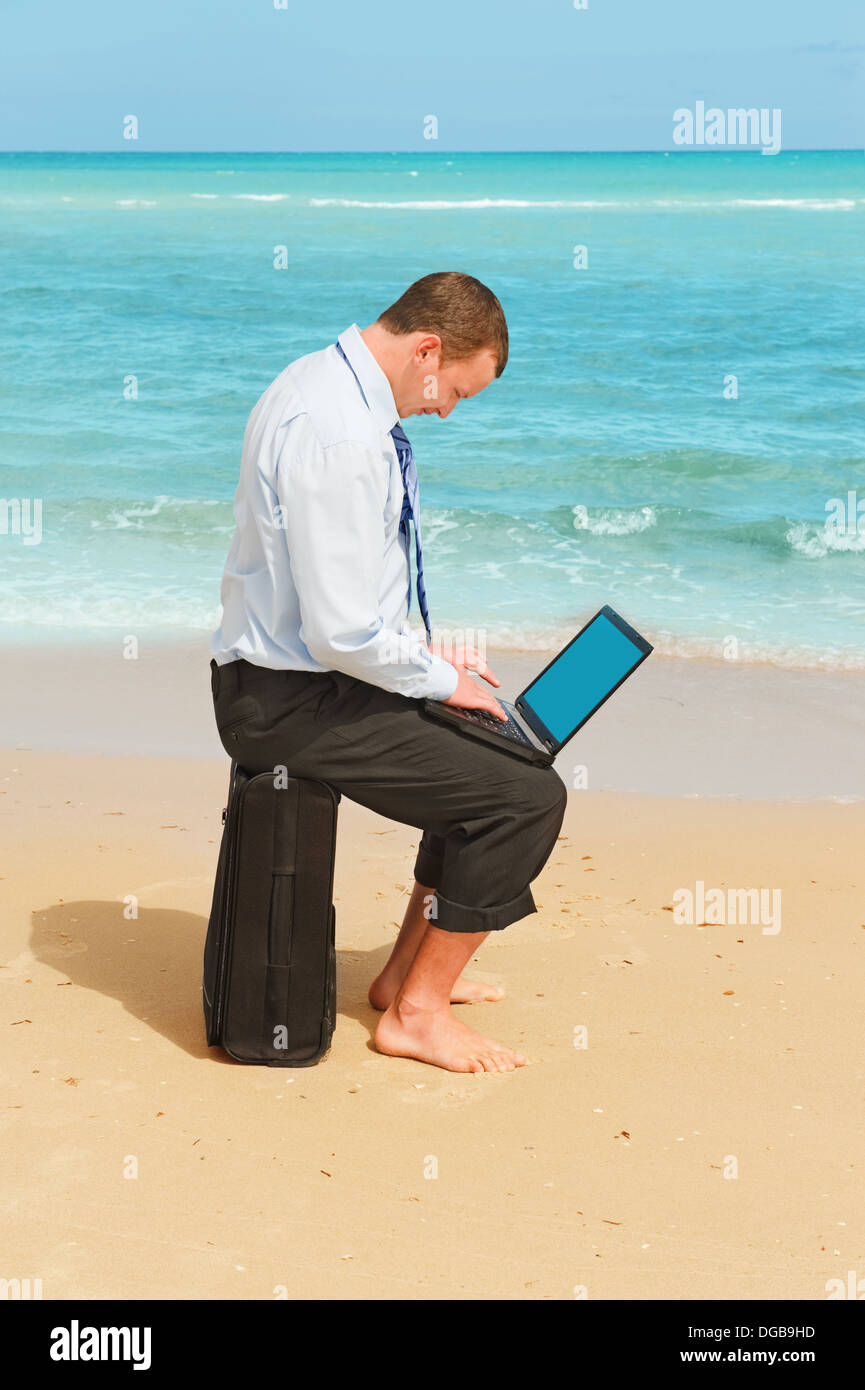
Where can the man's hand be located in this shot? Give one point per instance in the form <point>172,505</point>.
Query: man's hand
<point>468,694</point>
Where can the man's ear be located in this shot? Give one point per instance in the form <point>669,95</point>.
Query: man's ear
<point>430,343</point>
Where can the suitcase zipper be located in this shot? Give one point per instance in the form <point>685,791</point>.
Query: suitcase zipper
<point>222,965</point>
<point>329,1013</point>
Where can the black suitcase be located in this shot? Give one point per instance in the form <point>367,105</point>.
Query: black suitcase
<point>269,986</point>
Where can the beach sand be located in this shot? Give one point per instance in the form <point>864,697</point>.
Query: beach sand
<point>705,1143</point>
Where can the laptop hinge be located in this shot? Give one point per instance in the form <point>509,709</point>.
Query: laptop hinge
<point>541,733</point>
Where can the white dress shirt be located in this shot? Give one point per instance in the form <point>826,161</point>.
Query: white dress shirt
<point>317,576</point>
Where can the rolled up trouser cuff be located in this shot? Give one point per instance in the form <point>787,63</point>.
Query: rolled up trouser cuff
<point>428,867</point>
<point>458,917</point>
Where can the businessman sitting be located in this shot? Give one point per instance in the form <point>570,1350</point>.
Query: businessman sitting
<point>316,667</point>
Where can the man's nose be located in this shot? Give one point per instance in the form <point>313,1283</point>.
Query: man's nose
<point>445,410</point>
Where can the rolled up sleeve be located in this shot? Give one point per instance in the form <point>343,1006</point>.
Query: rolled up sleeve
<point>331,511</point>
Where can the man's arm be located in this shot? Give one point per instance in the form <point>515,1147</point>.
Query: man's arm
<point>331,512</point>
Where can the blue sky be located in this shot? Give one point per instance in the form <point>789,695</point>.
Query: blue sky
<point>497,74</point>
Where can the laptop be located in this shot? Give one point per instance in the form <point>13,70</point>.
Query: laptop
<point>563,697</point>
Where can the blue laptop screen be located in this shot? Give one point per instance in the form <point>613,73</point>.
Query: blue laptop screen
<point>581,677</point>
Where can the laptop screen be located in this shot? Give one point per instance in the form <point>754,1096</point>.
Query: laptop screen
<point>582,676</point>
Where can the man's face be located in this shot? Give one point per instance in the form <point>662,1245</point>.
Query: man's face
<point>427,387</point>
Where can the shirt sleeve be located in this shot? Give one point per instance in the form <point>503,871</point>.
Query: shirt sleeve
<point>331,510</point>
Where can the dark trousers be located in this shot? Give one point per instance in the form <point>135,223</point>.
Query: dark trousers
<point>489,820</point>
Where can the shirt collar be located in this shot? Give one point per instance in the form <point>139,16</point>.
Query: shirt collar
<point>374,383</point>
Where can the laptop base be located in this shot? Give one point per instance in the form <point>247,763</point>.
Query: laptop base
<point>457,719</point>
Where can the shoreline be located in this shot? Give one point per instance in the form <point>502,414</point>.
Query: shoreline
<point>667,647</point>
<point>693,728</point>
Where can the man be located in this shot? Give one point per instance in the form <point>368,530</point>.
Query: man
<point>316,668</point>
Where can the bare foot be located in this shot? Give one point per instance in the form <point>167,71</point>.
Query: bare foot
<point>383,990</point>
<point>439,1037</point>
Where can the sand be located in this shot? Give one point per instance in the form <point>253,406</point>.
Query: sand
<point>706,1142</point>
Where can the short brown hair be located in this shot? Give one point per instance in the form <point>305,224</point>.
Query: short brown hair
<point>459,309</point>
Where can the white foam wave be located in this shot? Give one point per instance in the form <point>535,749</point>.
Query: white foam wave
<point>815,542</point>
<point>121,519</point>
<point>159,610</point>
<point>485,204</point>
<point>433,204</point>
<point>614,521</point>
<point>811,204</point>
<point>687,204</point>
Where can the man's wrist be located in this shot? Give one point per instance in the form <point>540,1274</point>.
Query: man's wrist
<point>445,679</point>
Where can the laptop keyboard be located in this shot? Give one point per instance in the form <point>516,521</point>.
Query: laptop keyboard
<point>491,721</point>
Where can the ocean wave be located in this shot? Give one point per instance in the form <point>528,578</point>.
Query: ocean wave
<point>168,607</point>
<point>816,542</point>
<point>433,204</point>
<point>685,204</point>
<point>156,611</point>
<point>810,204</point>
<point>550,537</point>
<point>614,521</point>
<point>136,514</point>
<point>481,204</point>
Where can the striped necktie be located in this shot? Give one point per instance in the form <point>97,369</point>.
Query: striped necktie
<point>410,504</point>
<point>411,510</point>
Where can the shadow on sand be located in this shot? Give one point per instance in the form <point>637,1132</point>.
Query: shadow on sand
<point>152,965</point>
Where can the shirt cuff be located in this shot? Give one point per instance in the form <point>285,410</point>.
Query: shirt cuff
<point>440,679</point>
<point>444,679</point>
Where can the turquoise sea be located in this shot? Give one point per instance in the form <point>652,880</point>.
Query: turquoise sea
<point>607,464</point>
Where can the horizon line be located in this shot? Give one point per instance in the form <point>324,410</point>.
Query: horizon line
<point>678,150</point>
